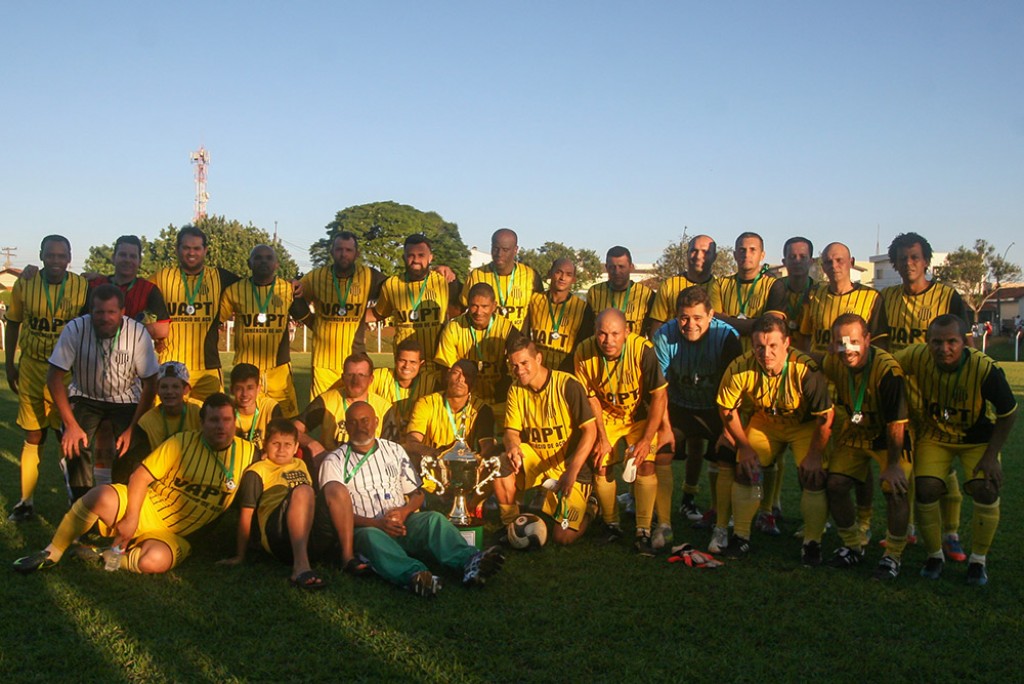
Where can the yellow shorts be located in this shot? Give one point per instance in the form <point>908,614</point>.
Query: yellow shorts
<point>935,459</point>
<point>621,436</point>
<point>769,438</point>
<point>36,410</point>
<point>536,469</point>
<point>323,379</point>
<point>204,383</point>
<point>855,462</point>
<point>277,383</point>
<point>151,526</point>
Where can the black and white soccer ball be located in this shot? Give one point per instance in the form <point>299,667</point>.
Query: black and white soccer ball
<point>527,532</point>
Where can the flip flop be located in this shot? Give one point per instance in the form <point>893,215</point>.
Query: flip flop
<point>356,566</point>
<point>309,581</point>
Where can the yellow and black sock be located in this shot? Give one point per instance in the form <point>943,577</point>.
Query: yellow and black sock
<point>984,523</point>
<point>645,489</point>
<point>605,492</point>
<point>744,505</point>
<point>929,526</point>
<point>814,508</point>
<point>29,470</point>
<point>663,503</point>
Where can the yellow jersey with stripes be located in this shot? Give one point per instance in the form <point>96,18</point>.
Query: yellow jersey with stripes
<point>485,348</point>
<point>154,427</point>
<point>557,329</point>
<point>43,309</point>
<point>549,419</point>
<point>825,307</point>
<point>402,398</point>
<point>440,425</point>
<point>634,302</point>
<point>956,406</point>
<point>740,298</point>
<point>664,307</point>
<point>194,483</point>
<point>265,486</point>
<point>793,305</point>
<point>876,393</point>
<point>909,315</point>
<point>511,292</point>
<point>622,385</point>
<point>262,314</point>
<point>253,427</point>
<point>339,306</point>
<point>328,410</point>
<point>193,302</point>
<point>417,308</point>
<point>798,394</point>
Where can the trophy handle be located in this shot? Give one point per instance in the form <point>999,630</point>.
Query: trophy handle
<point>427,465</point>
<point>494,464</point>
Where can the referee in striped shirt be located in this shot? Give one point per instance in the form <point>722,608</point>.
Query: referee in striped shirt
<point>113,366</point>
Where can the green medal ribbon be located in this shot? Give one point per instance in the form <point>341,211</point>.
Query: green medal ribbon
<point>502,298</point>
<point>419,297</point>
<point>857,394</point>
<point>618,373</point>
<point>780,389</point>
<point>561,314</point>
<point>190,295</point>
<point>252,428</point>
<point>476,344</point>
<point>342,301</point>
<point>412,393</point>
<point>459,434</point>
<point>50,307</point>
<point>105,353</point>
<point>793,310</point>
<point>229,472</point>
<point>264,304</point>
<point>743,301</point>
<point>956,383</point>
<point>167,428</point>
<point>349,474</point>
<point>625,299</point>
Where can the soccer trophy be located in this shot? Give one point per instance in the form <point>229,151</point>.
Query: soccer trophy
<point>463,471</point>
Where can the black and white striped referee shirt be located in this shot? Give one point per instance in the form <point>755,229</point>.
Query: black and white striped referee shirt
<point>380,483</point>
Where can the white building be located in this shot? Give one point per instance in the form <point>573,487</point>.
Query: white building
<point>885,274</point>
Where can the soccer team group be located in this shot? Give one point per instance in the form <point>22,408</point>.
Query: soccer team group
<point>569,394</point>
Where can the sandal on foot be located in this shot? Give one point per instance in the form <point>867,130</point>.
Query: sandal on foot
<point>309,580</point>
<point>356,566</point>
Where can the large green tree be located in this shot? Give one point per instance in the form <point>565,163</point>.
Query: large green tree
<point>976,273</point>
<point>229,244</point>
<point>674,257</point>
<point>589,266</point>
<point>382,228</point>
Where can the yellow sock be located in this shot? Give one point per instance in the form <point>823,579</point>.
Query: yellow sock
<point>723,494</point>
<point>983,527</point>
<point>912,498</point>
<point>713,482</point>
<point>75,523</point>
<point>744,505</point>
<point>894,546</point>
<point>687,488</point>
<point>814,509</point>
<point>770,474</point>
<point>864,515</point>
<point>508,512</point>
<point>780,471</point>
<point>29,470</point>
<point>645,489</point>
<point>130,560</point>
<point>663,504</point>
<point>605,492</point>
<point>929,526</point>
<point>952,502</point>
<point>850,536</point>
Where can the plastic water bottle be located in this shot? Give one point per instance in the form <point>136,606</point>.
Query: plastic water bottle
<point>756,477</point>
<point>112,558</point>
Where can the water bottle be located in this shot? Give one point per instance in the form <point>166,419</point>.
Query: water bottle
<point>112,558</point>
<point>756,477</point>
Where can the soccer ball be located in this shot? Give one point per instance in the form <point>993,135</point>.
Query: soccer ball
<point>527,532</point>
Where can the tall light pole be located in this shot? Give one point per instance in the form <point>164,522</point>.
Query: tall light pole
<point>999,306</point>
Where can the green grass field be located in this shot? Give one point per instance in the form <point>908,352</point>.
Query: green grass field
<point>585,613</point>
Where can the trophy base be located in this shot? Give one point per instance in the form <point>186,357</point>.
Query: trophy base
<point>474,536</point>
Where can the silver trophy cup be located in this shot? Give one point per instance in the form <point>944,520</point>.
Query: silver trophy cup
<point>462,471</point>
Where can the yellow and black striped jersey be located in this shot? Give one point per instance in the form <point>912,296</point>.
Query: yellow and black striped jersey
<point>549,419</point>
<point>43,309</point>
<point>261,314</point>
<point>339,306</point>
<point>511,292</point>
<point>157,427</point>
<point>790,304</point>
<point>557,329</point>
<point>402,398</point>
<point>910,314</point>
<point>738,298</point>
<point>664,307</point>
<point>440,425</point>
<point>952,406</point>
<point>193,302</point>
<point>417,308</point>
<point>265,485</point>
<point>485,348</point>
<point>191,487</point>
<point>825,307</point>
<point>253,427</point>
<point>876,392</point>
<point>622,385</point>
<point>634,302</point>
<point>797,394</point>
<point>328,410</point>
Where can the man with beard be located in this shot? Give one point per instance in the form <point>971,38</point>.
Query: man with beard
<point>558,320</point>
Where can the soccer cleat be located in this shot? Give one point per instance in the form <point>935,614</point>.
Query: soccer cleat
<point>777,514</point>
<point>40,560</point>
<point>888,568</point>
<point>661,537</point>
<point>691,511</point>
<point>845,557</point>
<point>952,548</point>
<point>765,523</point>
<point>425,584</point>
<point>738,548</point>
<point>22,512</point>
<point>642,544</point>
<point>481,565</point>
<point>719,540</point>
<point>707,521</point>
<point>612,533</point>
<point>933,568</point>
<point>810,554</point>
<point>977,576</point>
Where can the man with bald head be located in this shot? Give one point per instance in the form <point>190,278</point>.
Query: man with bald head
<point>512,282</point>
<point>627,393</point>
<point>557,320</point>
<point>701,253</point>
<point>262,306</point>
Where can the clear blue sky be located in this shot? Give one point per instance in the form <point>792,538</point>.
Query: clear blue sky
<point>591,123</point>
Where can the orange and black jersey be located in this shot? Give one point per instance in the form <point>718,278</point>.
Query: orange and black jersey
<point>193,302</point>
<point>557,329</point>
<point>340,306</point>
<point>623,385</point>
<point>953,405</point>
<point>143,300</point>
<point>418,308</point>
<point>798,394</point>
<point>664,307</point>
<point>43,309</point>
<point>825,307</point>
<point>262,314</point>
<point>876,392</point>
<point>909,315</point>
<point>634,302</point>
<point>511,292</point>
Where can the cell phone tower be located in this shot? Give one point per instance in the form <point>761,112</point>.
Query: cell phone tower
<point>201,158</point>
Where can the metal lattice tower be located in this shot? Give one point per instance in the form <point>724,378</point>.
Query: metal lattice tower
<point>201,158</point>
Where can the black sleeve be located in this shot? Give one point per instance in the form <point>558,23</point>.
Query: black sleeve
<point>277,412</point>
<point>815,388</point>
<point>956,305</point>
<point>299,310</point>
<point>997,390</point>
<point>376,283</point>
<point>139,447</point>
<point>156,305</point>
<point>878,326</point>
<point>454,292</point>
<point>892,398</point>
<point>579,406</point>
<point>483,427</point>
<point>777,298</point>
<point>227,278</point>
<point>650,369</point>
<point>586,327</point>
<point>250,490</point>
<point>313,416</point>
<point>731,349</point>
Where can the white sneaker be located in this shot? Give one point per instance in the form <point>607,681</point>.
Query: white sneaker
<point>719,540</point>
<point>661,537</point>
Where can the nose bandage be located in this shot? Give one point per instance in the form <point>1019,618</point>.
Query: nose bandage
<point>846,346</point>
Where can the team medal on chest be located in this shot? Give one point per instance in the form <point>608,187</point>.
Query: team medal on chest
<point>555,335</point>
<point>342,311</point>
<point>480,366</point>
<point>945,415</point>
<point>857,418</point>
<point>414,315</point>
<point>190,309</point>
<point>503,310</point>
<point>261,317</point>
<point>742,317</point>
<point>565,523</point>
<point>229,484</point>
<point>696,378</point>
<point>791,324</point>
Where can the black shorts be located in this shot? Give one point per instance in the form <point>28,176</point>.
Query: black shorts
<point>278,540</point>
<point>703,424</point>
